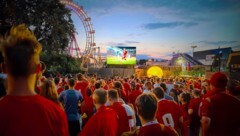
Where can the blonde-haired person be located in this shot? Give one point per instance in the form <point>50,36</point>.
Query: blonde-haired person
<point>23,112</point>
<point>49,91</point>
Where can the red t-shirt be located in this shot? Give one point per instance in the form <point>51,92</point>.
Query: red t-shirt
<point>224,112</point>
<point>169,113</point>
<point>87,107</point>
<point>60,89</point>
<point>81,86</point>
<point>106,87</point>
<point>103,123</point>
<point>123,119</point>
<point>157,130</point>
<point>202,109</point>
<point>125,53</point>
<point>184,130</point>
<point>194,117</point>
<point>133,96</point>
<point>31,116</point>
<point>127,88</point>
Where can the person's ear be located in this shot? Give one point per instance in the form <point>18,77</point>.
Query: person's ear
<point>38,69</point>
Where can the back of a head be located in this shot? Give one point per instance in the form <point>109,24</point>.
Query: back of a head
<point>196,92</point>
<point>186,97</point>
<point>113,94</point>
<point>100,96</point>
<point>71,82</point>
<point>88,92</point>
<point>56,80</point>
<point>219,80</point>
<point>79,76</point>
<point>21,51</point>
<point>133,85</point>
<point>159,92</point>
<point>49,90</point>
<point>117,85</point>
<point>97,85</point>
<point>146,105</point>
<point>148,84</point>
<point>175,86</point>
<point>164,87</point>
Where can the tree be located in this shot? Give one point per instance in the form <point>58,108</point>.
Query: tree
<point>49,20</point>
<point>142,61</point>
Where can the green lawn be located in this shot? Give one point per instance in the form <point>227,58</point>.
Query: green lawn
<point>119,61</point>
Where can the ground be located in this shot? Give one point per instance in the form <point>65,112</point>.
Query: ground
<point>118,60</point>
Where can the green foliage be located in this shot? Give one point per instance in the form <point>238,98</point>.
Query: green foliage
<point>194,73</point>
<point>142,61</point>
<point>60,63</point>
<point>51,23</point>
<point>49,20</point>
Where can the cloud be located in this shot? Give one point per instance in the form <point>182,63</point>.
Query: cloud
<point>126,43</point>
<point>159,25</point>
<point>132,42</point>
<point>216,42</point>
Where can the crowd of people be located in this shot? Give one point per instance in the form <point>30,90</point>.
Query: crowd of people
<point>88,105</point>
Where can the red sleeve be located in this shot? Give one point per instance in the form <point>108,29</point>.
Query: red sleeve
<point>191,104</point>
<point>170,131</point>
<point>205,108</point>
<point>90,128</point>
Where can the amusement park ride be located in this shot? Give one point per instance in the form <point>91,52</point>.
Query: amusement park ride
<point>90,56</point>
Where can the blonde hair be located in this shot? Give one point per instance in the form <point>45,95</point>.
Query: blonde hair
<point>49,91</point>
<point>21,50</point>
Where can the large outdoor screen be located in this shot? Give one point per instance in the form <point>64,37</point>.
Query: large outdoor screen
<point>119,55</point>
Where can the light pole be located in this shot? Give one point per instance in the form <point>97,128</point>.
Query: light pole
<point>193,47</point>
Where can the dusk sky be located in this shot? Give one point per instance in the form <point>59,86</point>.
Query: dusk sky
<point>160,27</point>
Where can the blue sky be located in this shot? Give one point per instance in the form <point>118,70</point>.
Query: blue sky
<point>159,27</point>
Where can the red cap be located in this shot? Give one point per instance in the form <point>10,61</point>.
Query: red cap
<point>219,80</point>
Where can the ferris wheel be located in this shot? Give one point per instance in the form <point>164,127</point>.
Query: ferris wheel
<point>90,46</point>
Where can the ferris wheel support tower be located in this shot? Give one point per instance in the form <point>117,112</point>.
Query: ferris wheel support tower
<point>86,53</point>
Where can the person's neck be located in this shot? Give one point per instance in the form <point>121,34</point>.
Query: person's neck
<point>143,121</point>
<point>196,97</point>
<point>183,102</point>
<point>21,86</point>
<point>113,101</point>
<point>71,88</point>
<point>98,106</point>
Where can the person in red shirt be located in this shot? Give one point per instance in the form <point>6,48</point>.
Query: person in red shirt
<point>91,85</point>
<point>184,99</point>
<point>169,112</point>
<point>81,84</point>
<point>146,109</point>
<point>119,87</point>
<point>23,112</point>
<point>58,86</point>
<point>221,117</point>
<point>87,107</point>
<point>126,115</point>
<point>193,110</point>
<point>104,122</point>
<point>125,52</point>
<point>126,86</point>
<point>135,92</point>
